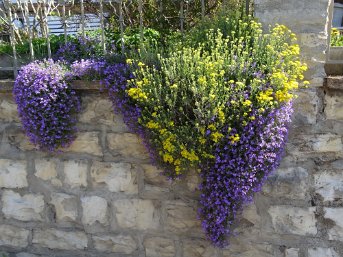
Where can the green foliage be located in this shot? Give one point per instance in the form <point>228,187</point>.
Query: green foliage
<point>336,37</point>
<point>39,46</point>
<point>186,93</point>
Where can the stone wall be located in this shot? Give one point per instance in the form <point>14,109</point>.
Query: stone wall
<point>101,197</point>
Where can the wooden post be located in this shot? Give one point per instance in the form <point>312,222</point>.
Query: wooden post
<point>82,7</point>
<point>247,6</point>
<point>29,30</point>
<point>140,9</point>
<point>64,20</point>
<point>202,9</point>
<point>12,38</point>
<point>46,26</point>
<point>182,17</point>
<point>102,25</point>
<point>121,23</point>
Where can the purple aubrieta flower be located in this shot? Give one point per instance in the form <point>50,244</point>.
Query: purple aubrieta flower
<point>47,105</point>
<point>239,170</point>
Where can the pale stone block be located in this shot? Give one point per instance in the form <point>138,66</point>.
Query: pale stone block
<point>322,252</point>
<point>94,210</point>
<point>13,173</point>
<point>292,252</point>
<point>13,236</point>
<point>251,215</point>
<point>65,206</point>
<point>153,176</point>
<point>293,220</point>
<point>329,185</point>
<point>327,143</point>
<point>86,142</point>
<point>26,208</point>
<point>75,173</point>
<point>180,217</point>
<point>334,106</point>
<point>128,145</point>
<point>198,248</point>
<point>57,239</point>
<point>8,109</point>
<point>115,244</point>
<point>118,177</point>
<point>136,213</point>
<point>335,214</point>
<point>289,182</point>
<point>247,249</point>
<point>26,255</point>
<point>306,107</point>
<point>98,111</point>
<point>47,170</point>
<point>159,247</point>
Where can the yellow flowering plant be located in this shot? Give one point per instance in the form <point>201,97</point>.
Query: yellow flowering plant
<point>195,90</point>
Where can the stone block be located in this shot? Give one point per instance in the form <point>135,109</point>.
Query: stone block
<point>293,220</point>
<point>26,255</point>
<point>127,145</point>
<point>136,214</point>
<point>65,207</point>
<point>75,173</point>
<point>8,109</point>
<point>86,142</point>
<point>153,176</point>
<point>117,177</point>
<point>180,217</point>
<point>57,239</point>
<point>329,185</point>
<point>322,252</point>
<point>13,236</point>
<point>241,248</point>
<point>327,143</point>
<point>306,107</point>
<point>334,106</point>
<point>115,244</point>
<point>13,173</point>
<point>47,171</point>
<point>251,215</point>
<point>159,247</point>
<point>26,208</point>
<point>289,183</point>
<point>197,248</point>
<point>94,210</point>
<point>336,231</point>
<point>292,252</point>
<point>97,110</point>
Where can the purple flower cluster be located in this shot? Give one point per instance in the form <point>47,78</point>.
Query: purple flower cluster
<point>47,105</point>
<point>240,169</point>
<point>79,48</point>
<point>87,69</point>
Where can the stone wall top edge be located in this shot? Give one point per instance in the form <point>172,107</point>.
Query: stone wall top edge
<point>79,85</point>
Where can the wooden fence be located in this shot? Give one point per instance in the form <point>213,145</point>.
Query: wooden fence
<point>51,17</point>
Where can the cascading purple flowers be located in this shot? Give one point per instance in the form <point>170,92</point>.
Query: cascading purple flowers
<point>47,105</point>
<point>240,169</point>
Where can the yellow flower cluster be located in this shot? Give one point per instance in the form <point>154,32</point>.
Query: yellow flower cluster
<point>137,94</point>
<point>235,138</point>
<point>191,156</point>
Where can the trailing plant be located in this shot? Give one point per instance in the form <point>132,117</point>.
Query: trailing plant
<point>47,105</point>
<point>221,107</point>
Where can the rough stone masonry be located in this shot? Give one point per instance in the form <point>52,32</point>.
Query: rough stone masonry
<point>101,197</point>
